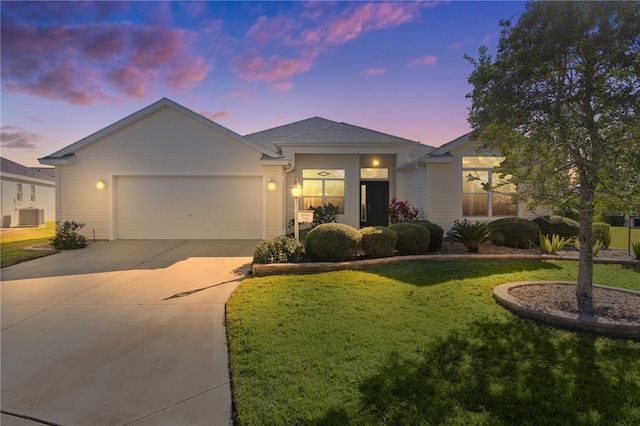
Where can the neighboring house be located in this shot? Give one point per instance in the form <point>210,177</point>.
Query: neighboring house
<point>167,172</point>
<point>28,194</point>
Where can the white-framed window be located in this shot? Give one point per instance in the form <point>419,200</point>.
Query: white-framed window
<point>33,193</point>
<point>323,186</point>
<point>19,192</point>
<point>484,193</point>
<point>381,173</point>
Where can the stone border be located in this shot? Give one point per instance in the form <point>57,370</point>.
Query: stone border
<point>616,328</point>
<point>313,267</point>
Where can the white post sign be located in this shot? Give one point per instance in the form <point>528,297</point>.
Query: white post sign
<point>305,217</point>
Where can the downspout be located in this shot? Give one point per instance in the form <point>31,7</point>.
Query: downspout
<point>426,191</point>
<point>285,171</point>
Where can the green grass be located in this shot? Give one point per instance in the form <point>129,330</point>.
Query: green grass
<point>15,240</point>
<point>422,343</point>
<point>620,236</point>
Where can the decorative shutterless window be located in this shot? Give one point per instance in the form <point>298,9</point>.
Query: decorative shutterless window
<point>19,192</point>
<point>33,193</point>
<point>483,192</point>
<point>323,186</point>
<point>374,173</point>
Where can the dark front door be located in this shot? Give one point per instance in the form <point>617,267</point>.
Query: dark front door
<point>374,198</point>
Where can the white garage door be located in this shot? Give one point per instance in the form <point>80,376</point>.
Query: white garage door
<point>188,207</point>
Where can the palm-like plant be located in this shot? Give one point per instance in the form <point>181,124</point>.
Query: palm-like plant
<point>470,234</point>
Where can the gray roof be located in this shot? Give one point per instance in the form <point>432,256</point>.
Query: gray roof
<point>11,167</point>
<point>320,131</point>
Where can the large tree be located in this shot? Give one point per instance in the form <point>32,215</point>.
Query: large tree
<point>561,101</point>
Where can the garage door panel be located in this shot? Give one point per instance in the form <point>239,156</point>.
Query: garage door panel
<point>189,207</point>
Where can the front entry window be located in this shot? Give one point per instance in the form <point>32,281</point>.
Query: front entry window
<point>483,192</point>
<point>323,186</point>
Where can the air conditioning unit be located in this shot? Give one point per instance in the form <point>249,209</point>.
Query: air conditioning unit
<point>30,217</point>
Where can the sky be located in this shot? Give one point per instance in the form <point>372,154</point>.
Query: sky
<point>71,68</point>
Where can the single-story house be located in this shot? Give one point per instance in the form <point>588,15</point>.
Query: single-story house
<point>28,194</point>
<point>166,172</point>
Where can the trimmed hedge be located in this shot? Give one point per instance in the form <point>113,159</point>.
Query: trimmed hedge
<point>378,241</point>
<point>512,232</point>
<point>282,249</point>
<point>602,232</point>
<point>562,226</point>
<point>412,238</point>
<point>332,242</point>
<point>436,234</point>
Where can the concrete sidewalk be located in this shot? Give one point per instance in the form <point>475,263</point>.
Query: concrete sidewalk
<point>121,333</point>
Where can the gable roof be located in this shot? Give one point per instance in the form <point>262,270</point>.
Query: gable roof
<point>320,131</point>
<point>10,167</point>
<point>436,155</point>
<point>70,150</point>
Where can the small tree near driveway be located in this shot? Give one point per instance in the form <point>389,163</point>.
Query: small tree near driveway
<point>560,101</point>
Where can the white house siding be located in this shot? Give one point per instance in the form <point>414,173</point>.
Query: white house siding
<point>414,189</point>
<point>445,190</point>
<point>10,207</point>
<point>165,143</point>
<point>274,201</point>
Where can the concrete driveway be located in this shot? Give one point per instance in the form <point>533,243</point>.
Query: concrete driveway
<point>120,333</point>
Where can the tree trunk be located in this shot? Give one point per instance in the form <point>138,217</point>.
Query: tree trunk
<point>584,289</point>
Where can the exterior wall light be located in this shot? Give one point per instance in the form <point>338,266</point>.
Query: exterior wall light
<point>296,192</point>
<point>376,163</point>
<point>101,183</point>
<point>271,186</point>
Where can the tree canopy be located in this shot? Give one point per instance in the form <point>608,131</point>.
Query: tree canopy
<point>560,101</point>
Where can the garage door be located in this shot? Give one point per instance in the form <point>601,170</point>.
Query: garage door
<point>188,207</point>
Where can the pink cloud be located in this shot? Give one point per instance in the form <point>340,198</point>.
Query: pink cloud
<point>86,63</point>
<point>372,72</point>
<point>282,87</point>
<point>217,115</point>
<point>266,29</point>
<point>424,61</point>
<point>460,44</point>
<point>252,67</point>
<point>12,137</point>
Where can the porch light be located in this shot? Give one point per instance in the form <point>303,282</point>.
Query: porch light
<point>376,163</point>
<point>101,184</point>
<point>271,186</point>
<point>296,192</point>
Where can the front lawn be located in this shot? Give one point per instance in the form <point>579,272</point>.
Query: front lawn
<point>422,343</point>
<point>15,240</point>
<point>620,237</point>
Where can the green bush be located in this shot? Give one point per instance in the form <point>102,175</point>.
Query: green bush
<point>436,234</point>
<point>332,242</point>
<point>562,226</point>
<point>412,238</point>
<point>512,232</point>
<point>280,249</point>
<point>67,236</point>
<point>470,234</point>
<point>602,233</point>
<point>378,241</point>
<point>636,249</point>
<point>554,243</point>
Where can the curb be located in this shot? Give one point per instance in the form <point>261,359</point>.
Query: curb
<point>609,327</point>
<point>314,267</point>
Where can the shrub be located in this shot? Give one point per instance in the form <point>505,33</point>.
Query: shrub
<point>562,226</point>
<point>378,242</point>
<point>554,243</point>
<point>282,249</point>
<point>412,238</point>
<point>636,249</point>
<point>597,246</point>
<point>332,242</point>
<point>67,236</point>
<point>401,211</point>
<point>512,232</point>
<point>602,233</point>
<point>436,234</point>
<point>470,234</point>
<point>325,213</point>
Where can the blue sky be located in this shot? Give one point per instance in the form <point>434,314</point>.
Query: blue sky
<point>72,68</point>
